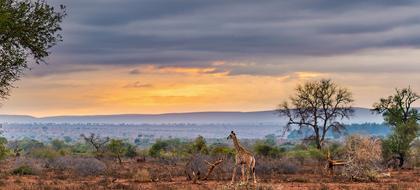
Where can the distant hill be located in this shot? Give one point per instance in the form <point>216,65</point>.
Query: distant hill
<point>362,115</point>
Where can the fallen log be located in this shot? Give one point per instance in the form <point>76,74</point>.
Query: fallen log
<point>211,167</point>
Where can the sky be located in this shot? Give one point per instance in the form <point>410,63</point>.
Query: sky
<point>160,56</point>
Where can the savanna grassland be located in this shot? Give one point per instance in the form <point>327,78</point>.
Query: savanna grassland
<point>181,164</point>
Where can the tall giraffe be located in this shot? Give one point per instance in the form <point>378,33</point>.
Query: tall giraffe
<point>244,158</point>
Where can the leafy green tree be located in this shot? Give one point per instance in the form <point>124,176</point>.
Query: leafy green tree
<point>131,150</point>
<point>199,146</point>
<point>398,112</point>
<point>28,29</point>
<point>58,144</point>
<point>159,146</point>
<point>265,148</point>
<point>318,106</point>
<point>28,145</point>
<point>116,148</point>
<point>169,148</point>
<point>4,151</point>
<point>80,148</point>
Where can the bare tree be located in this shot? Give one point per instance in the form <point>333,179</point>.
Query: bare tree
<point>16,147</point>
<point>96,142</point>
<point>318,105</point>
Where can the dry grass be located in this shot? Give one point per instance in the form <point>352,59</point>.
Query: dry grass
<point>282,173</point>
<point>80,166</point>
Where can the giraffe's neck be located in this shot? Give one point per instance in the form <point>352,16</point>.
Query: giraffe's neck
<point>238,147</point>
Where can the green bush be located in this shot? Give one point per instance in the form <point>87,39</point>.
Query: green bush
<point>80,148</point>
<point>159,146</point>
<point>199,145</point>
<point>221,149</point>
<point>131,151</point>
<point>45,153</point>
<point>28,145</point>
<point>117,149</point>
<point>23,170</point>
<point>169,148</point>
<point>57,144</point>
<point>316,154</point>
<point>4,151</point>
<point>310,153</point>
<point>265,149</point>
<point>335,150</point>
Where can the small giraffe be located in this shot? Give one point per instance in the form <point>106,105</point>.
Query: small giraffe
<point>244,158</point>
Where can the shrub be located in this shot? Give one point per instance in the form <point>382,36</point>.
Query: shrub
<point>196,167</point>
<point>316,154</point>
<point>143,175</point>
<point>88,167</point>
<point>199,146</point>
<point>27,166</point>
<point>61,163</point>
<point>23,170</point>
<point>414,156</point>
<point>15,147</point>
<point>224,170</point>
<point>131,151</point>
<point>57,144</point>
<point>265,149</point>
<point>169,148</point>
<point>221,149</point>
<point>117,149</point>
<point>44,153</point>
<point>28,145</point>
<point>80,166</point>
<point>4,151</point>
<point>160,173</point>
<point>269,166</point>
<point>158,147</point>
<point>302,155</point>
<point>336,150</point>
<point>363,156</point>
<point>80,148</point>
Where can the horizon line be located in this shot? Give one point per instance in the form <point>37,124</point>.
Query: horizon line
<point>150,114</point>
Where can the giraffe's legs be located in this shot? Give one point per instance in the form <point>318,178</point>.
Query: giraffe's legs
<point>243,172</point>
<point>233,174</point>
<point>248,172</point>
<point>252,169</point>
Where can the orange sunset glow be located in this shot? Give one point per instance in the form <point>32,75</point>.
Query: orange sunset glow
<point>151,89</point>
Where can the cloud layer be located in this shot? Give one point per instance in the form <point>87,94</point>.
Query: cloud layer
<point>197,33</point>
<point>154,56</point>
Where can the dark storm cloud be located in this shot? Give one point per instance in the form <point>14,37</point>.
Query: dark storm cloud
<point>196,33</point>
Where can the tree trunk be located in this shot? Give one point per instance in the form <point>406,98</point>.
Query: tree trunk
<point>318,144</point>
<point>317,138</point>
<point>401,158</point>
<point>119,159</point>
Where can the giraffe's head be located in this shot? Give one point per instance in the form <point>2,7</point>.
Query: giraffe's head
<point>231,135</point>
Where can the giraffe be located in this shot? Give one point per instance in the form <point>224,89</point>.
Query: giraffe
<point>244,158</point>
